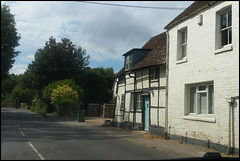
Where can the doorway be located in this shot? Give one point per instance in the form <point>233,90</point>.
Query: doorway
<point>146,113</point>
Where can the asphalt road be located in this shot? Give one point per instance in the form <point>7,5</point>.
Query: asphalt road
<point>28,136</point>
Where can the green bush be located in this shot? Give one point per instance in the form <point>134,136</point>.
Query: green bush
<point>20,94</point>
<point>40,107</point>
<point>47,91</point>
<point>63,96</point>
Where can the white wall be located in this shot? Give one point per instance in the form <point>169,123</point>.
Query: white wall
<point>202,65</point>
<point>157,97</point>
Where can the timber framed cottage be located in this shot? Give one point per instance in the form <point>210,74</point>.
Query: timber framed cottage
<point>139,87</point>
<point>203,75</point>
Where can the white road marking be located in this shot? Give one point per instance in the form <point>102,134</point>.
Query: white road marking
<point>21,132</point>
<point>40,156</point>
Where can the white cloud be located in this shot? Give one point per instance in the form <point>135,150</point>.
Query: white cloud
<point>18,68</point>
<point>106,32</point>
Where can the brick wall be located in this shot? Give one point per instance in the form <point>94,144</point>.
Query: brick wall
<point>204,64</point>
<point>108,110</point>
<point>93,110</point>
<point>68,111</point>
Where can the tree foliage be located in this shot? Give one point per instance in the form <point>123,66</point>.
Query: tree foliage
<point>21,95</point>
<point>97,85</point>
<point>56,61</point>
<point>9,83</point>
<point>9,40</point>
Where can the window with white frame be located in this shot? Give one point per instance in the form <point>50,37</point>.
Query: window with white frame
<point>154,73</point>
<point>182,44</point>
<point>223,27</point>
<point>122,102</point>
<point>226,27</point>
<point>139,102</point>
<point>201,99</point>
<point>128,62</point>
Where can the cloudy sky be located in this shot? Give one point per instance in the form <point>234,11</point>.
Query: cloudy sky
<point>105,31</point>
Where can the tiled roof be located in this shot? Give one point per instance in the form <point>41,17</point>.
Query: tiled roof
<point>120,73</point>
<point>192,9</point>
<point>157,55</point>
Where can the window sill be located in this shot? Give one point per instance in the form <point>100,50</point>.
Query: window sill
<point>181,61</point>
<point>223,49</point>
<point>205,118</point>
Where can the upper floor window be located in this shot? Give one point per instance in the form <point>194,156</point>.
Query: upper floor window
<point>154,73</point>
<point>128,62</point>
<point>182,44</point>
<point>226,27</point>
<point>223,38</point>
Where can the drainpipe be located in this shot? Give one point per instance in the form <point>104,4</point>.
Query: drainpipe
<point>158,94</point>
<point>231,138</point>
<point>115,98</point>
<point>166,90</point>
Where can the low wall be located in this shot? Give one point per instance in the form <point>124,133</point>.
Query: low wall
<point>93,110</point>
<point>108,110</point>
<point>68,111</point>
<point>98,110</point>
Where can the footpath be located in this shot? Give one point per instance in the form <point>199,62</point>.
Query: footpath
<point>175,148</point>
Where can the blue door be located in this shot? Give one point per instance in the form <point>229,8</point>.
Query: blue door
<point>146,113</point>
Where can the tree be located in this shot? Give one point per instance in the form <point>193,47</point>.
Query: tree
<point>98,85</point>
<point>9,40</point>
<point>9,83</point>
<point>56,61</point>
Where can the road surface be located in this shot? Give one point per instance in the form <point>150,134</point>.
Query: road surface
<point>28,136</point>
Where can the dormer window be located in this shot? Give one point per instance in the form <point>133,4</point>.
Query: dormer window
<point>128,62</point>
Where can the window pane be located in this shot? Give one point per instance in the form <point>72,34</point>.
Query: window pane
<point>130,58</point>
<point>132,101</point>
<point>229,18</point>
<point>126,63</point>
<point>130,61</point>
<point>156,73</point>
<point>224,37</point>
<point>123,102</point>
<point>184,51</point>
<point>183,37</point>
<point>211,100</point>
<point>223,20</point>
<point>230,35</point>
<point>202,88</point>
<point>203,103</point>
<point>193,100</point>
<point>139,102</point>
<point>152,73</point>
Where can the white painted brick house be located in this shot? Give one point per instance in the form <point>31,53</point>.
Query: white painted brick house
<point>203,75</point>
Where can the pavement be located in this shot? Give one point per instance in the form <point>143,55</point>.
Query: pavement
<point>176,148</point>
